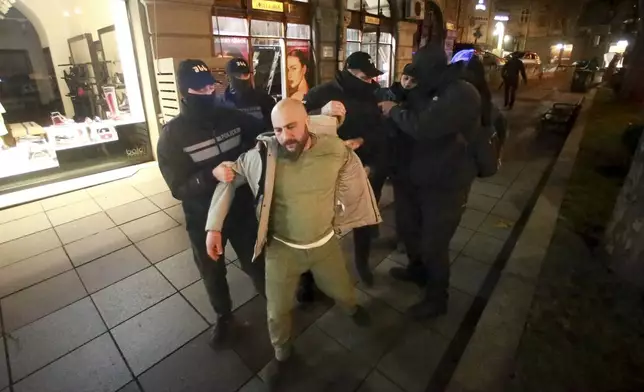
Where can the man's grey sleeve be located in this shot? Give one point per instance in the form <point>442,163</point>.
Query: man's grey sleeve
<point>223,197</point>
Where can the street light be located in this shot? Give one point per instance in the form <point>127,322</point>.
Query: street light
<point>499,30</point>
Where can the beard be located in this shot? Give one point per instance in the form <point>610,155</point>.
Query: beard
<point>293,148</point>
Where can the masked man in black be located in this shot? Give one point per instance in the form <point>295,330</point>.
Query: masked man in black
<point>241,95</point>
<point>437,122</point>
<point>364,130</point>
<point>190,147</point>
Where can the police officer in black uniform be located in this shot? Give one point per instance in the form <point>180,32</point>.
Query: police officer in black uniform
<point>190,147</point>
<point>364,130</point>
<point>241,95</point>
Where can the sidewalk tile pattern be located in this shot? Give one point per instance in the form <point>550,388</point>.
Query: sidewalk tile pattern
<point>99,292</point>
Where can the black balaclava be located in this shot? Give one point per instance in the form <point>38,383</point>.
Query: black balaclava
<point>355,86</point>
<point>195,74</point>
<point>429,64</point>
<point>239,86</point>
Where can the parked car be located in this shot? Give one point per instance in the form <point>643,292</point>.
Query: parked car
<point>528,58</point>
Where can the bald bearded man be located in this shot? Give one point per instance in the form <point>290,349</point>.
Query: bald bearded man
<point>308,188</point>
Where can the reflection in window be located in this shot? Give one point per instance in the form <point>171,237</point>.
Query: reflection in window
<point>264,28</point>
<point>231,47</point>
<point>267,65</point>
<point>385,38</point>
<point>353,35</point>
<point>223,25</point>
<point>383,63</point>
<point>353,5</point>
<point>371,6</point>
<point>352,47</point>
<point>369,38</point>
<point>298,31</point>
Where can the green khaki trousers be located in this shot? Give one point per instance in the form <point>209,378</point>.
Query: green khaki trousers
<point>284,265</point>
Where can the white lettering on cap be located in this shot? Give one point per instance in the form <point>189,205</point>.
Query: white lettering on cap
<point>200,68</point>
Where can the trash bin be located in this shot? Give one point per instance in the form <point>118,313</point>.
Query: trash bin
<point>581,79</point>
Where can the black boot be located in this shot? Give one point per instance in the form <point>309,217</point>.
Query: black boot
<point>221,333</point>
<point>433,305</point>
<point>414,273</point>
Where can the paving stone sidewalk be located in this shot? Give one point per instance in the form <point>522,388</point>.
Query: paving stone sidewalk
<point>99,293</point>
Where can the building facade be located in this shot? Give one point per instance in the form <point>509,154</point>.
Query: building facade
<point>98,87</point>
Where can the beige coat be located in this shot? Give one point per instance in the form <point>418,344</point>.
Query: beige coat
<point>356,205</point>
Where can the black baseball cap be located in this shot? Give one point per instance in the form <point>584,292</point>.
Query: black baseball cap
<point>237,66</point>
<point>409,70</point>
<point>363,62</point>
<point>193,74</point>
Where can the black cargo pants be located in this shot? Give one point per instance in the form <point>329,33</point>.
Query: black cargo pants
<point>240,228</point>
<point>427,219</point>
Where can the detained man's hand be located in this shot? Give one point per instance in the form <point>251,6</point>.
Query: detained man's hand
<point>354,144</point>
<point>334,109</point>
<point>224,172</point>
<point>213,245</point>
<point>386,106</point>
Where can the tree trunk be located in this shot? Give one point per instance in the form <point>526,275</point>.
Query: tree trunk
<point>633,83</point>
<point>625,234</point>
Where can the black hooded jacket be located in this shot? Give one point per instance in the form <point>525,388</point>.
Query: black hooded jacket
<point>249,100</point>
<point>440,117</point>
<point>363,118</point>
<point>192,144</point>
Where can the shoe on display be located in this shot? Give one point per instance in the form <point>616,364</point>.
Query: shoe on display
<point>361,317</point>
<point>406,274</point>
<point>221,333</point>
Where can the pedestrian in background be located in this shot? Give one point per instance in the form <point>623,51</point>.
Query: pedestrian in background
<point>440,117</point>
<point>510,74</point>
<point>190,147</point>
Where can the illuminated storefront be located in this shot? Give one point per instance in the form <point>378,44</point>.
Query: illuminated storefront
<point>274,36</point>
<point>70,90</point>
<point>370,30</point>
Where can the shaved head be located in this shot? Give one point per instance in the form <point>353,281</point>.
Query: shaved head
<point>290,123</point>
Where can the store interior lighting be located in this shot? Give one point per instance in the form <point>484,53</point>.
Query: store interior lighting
<point>480,6</point>
<point>5,6</point>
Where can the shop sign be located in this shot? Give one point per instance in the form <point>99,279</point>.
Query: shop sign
<point>371,20</point>
<point>268,5</point>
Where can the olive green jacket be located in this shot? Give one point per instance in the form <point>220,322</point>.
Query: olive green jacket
<point>356,204</point>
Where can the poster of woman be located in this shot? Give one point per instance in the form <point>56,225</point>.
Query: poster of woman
<point>298,66</point>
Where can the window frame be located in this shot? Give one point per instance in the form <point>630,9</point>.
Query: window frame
<point>295,12</point>
<point>385,25</point>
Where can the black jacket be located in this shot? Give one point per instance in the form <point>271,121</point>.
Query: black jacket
<point>252,101</point>
<point>363,118</point>
<point>438,120</point>
<point>190,147</point>
<point>511,71</point>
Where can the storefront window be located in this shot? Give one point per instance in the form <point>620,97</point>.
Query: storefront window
<point>279,51</point>
<point>70,91</point>
<point>372,34</point>
<point>223,25</point>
